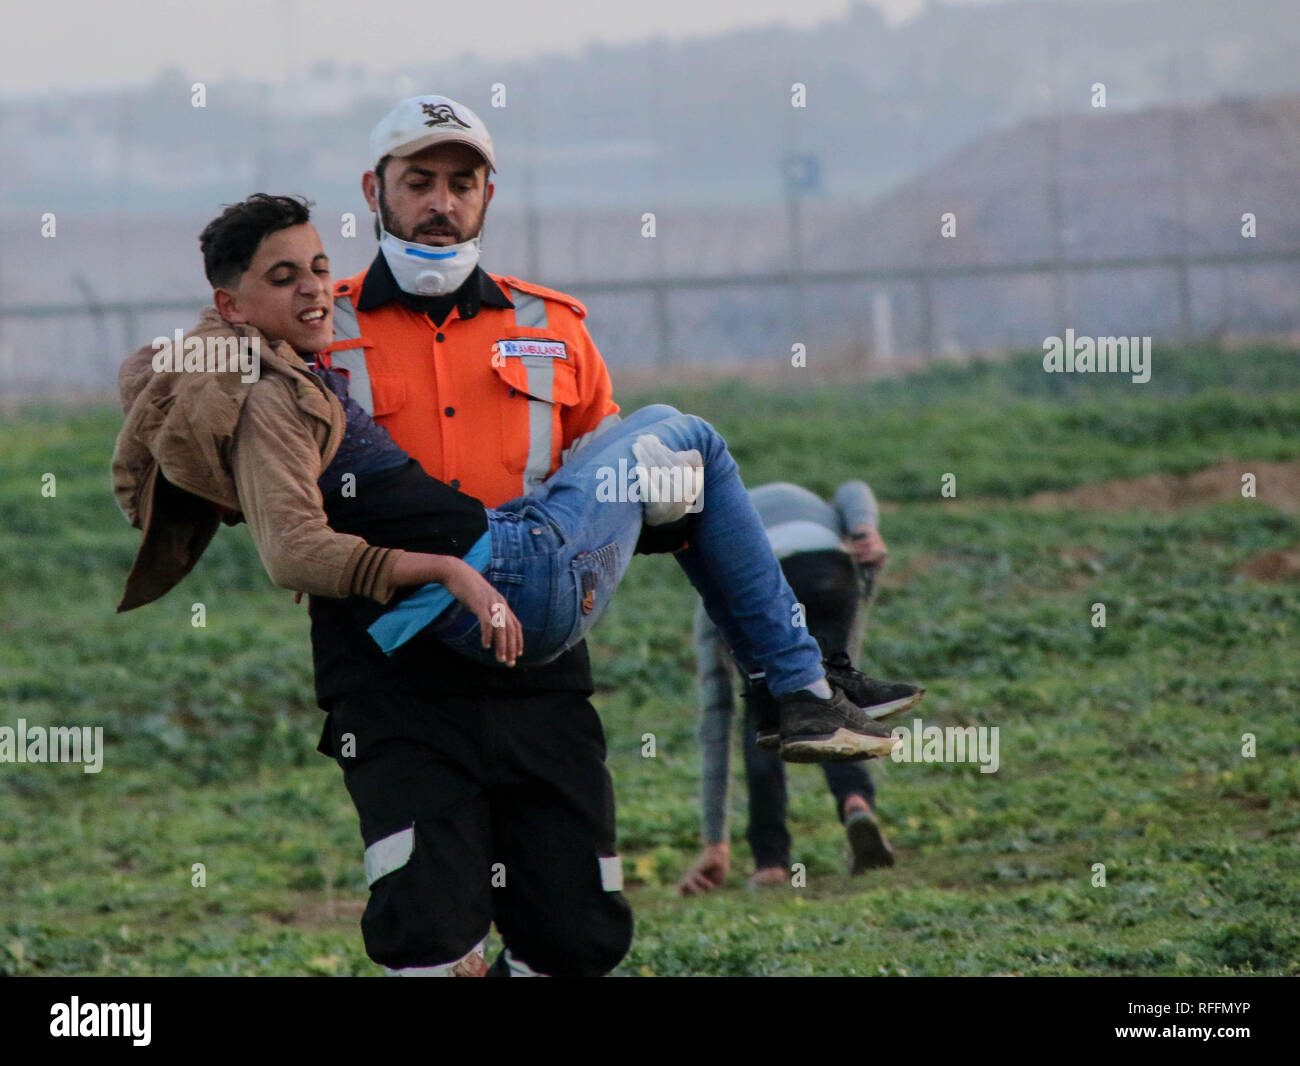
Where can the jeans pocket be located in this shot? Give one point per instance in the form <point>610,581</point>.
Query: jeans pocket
<point>595,574</point>
<point>537,518</point>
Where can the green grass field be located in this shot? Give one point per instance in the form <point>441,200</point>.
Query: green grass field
<point>1120,746</point>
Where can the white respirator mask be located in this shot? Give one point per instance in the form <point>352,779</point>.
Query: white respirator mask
<point>426,270</point>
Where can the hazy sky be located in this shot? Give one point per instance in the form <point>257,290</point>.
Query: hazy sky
<point>71,44</point>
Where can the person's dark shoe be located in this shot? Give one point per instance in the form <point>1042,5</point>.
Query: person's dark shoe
<point>880,699</point>
<point>829,730</point>
<point>767,712</point>
<point>868,847</point>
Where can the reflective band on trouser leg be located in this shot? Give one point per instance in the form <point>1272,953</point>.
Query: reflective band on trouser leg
<point>472,964</point>
<point>611,873</point>
<point>353,360</point>
<point>530,311</point>
<point>519,968</point>
<point>541,383</point>
<point>392,853</point>
<point>389,854</point>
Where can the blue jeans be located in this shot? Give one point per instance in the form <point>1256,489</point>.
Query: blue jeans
<point>559,553</point>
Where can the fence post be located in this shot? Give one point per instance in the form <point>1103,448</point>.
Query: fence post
<point>663,324</point>
<point>882,326</point>
<point>130,324</point>
<point>927,315</point>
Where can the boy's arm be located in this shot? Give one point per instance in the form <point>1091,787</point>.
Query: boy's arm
<point>276,460</point>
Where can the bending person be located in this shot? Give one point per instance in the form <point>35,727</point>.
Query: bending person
<point>829,552</point>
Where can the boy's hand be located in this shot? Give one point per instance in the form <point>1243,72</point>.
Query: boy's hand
<point>502,631</point>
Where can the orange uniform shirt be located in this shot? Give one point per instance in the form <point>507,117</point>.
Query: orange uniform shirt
<point>487,403</point>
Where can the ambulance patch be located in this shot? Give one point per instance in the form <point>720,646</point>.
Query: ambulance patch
<point>542,349</point>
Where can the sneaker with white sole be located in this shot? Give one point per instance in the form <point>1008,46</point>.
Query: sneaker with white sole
<point>880,699</point>
<point>829,730</point>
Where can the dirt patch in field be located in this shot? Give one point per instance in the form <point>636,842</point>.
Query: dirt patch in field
<point>1084,565</point>
<point>327,913</point>
<point>1276,484</point>
<point>1274,567</point>
<point>896,575</point>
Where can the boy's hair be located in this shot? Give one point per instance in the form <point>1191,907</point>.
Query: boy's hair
<point>230,240</point>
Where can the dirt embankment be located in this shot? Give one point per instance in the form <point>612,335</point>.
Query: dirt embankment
<point>1276,484</point>
<point>1272,567</point>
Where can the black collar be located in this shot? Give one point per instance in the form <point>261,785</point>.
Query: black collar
<point>380,287</point>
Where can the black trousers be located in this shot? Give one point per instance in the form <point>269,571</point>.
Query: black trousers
<point>826,583</point>
<point>495,807</point>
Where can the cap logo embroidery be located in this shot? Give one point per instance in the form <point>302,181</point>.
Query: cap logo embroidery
<point>442,115</point>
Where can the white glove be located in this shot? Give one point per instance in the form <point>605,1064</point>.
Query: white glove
<point>672,483</point>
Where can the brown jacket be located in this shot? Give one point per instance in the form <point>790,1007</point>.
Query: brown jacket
<point>202,447</point>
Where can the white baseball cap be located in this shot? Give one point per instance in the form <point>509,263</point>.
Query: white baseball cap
<point>420,121</point>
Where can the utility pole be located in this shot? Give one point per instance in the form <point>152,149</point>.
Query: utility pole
<point>794,222</point>
<point>927,310</point>
<point>1054,119</point>
<point>1056,218</point>
<point>532,242</point>
<point>262,92</point>
<point>801,173</point>
<point>123,198</point>
<point>1178,117</point>
<point>663,315</point>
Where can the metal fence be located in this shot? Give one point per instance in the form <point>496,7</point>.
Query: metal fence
<point>118,327</point>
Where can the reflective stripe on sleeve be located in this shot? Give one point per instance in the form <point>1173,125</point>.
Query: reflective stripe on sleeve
<point>389,854</point>
<point>530,311</point>
<point>608,422</point>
